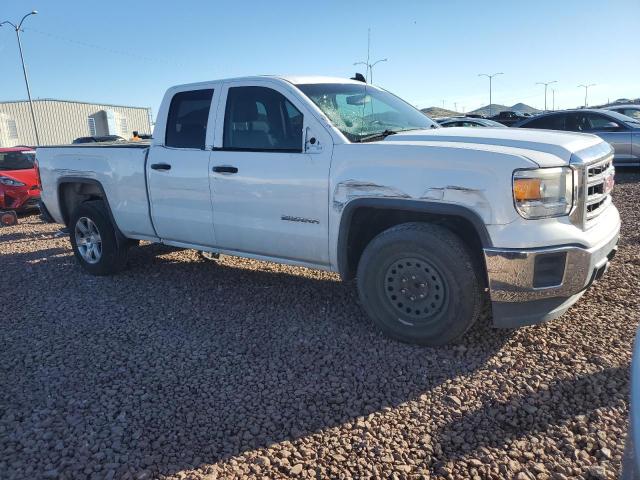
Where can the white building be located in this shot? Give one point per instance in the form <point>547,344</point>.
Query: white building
<point>62,121</point>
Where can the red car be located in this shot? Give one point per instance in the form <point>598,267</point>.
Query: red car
<point>19,188</point>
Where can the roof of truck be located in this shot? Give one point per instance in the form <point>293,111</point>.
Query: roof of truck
<point>302,79</point>
<point>294,79</point>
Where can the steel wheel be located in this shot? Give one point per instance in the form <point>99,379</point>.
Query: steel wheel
<point>415,289</point>
<point>88,240</point>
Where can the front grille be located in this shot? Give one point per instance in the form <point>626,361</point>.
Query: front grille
<point>593,175</point>
<point>597,196</point>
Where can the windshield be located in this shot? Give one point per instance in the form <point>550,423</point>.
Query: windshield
<point>635,114</point>
<point>631,122</point>
<point>17,160</point>
<point>359,115</point>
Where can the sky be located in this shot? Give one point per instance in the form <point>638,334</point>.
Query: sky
<point>125,52</point>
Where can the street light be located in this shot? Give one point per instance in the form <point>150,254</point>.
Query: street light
<point>586,89</point>
<point>24,69</point>
<point>553,99</point>
<point>368,65</point>
<point>546,84</point>
<point>490,77</point>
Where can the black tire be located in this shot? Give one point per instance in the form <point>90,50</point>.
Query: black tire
<point>437,295</point>
<point>113,246</point>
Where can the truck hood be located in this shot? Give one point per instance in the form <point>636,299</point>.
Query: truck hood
<point>547,148</point>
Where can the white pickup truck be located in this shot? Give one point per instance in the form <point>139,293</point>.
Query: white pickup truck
<point>338,175</point>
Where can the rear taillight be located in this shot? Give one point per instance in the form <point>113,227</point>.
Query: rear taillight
<point>35,164</point>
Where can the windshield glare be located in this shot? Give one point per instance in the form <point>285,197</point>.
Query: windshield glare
<point>360,111</point>
<point>17,160</point>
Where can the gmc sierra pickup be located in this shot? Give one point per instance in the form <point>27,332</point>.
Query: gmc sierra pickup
<point>339,175</point>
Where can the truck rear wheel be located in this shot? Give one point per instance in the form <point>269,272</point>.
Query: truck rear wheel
<point>95,241</point>
<point>418,284</point>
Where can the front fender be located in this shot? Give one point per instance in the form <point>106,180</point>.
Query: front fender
<point>400,204</point>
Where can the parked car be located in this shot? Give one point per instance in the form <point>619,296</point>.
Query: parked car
<point>508,118</point>
<point>100,139</point>
<point>470,122</point>
<point>632,110</point>
<point>338,175</point>
<point>621,131</point>
<point>19,188</point>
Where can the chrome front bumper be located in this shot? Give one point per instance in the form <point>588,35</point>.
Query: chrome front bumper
<point>528,286</point>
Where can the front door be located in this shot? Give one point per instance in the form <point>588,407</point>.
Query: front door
<point>178,172</point>
<point>618,137</point>
<point>270,193</point>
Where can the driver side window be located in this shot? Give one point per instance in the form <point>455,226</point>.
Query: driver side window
<point>261,119</point>
<point>595,122</point>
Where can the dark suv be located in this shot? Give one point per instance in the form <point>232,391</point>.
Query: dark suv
<point>101,139</point>
<point>508,118</point>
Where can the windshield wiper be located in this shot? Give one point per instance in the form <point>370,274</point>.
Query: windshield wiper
<point>377,136</point>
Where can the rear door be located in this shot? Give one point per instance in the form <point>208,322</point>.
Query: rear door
<point>270,174</point>
<point>178,170</point>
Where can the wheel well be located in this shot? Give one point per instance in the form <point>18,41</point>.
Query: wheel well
<point>72,194</point>
<point>367,222</point>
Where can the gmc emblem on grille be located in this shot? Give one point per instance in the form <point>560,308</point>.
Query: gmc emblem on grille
<point>608,183</point>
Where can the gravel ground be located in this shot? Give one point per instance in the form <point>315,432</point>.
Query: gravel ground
<point>182,368</point>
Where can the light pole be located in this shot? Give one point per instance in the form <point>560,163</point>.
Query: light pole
<point>490,77</point>
<point>553,99</point>
<point>368,65</point>
<point>17,28</point>
<point>586,89</point>
<point>546,84</point>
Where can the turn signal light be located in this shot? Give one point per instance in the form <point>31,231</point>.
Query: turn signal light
<point>527,189</point>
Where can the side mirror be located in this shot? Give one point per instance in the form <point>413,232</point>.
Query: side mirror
<point>609,126</point>
<point>311,143</point>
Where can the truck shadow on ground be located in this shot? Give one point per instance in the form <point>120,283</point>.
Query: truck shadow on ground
<point>174,364</point>
<point>499,422</point>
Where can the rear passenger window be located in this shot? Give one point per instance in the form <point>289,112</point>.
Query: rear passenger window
<point>187,120</point>
<point>261,119</point>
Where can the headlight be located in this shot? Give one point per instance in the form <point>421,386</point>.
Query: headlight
<point>11,182</point>
<point>543,192</point>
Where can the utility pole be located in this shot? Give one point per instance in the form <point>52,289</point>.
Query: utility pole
<point>546,84</point>
<point>586,90</point>
<point>18,29</point>
<point>368,65</point>
<point>490,77</point>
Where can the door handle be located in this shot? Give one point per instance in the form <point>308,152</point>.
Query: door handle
<point>225,169</point>
<point>161,166</point>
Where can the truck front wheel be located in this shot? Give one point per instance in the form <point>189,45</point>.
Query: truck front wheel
<point>94,240</point>
<point>418,284</point>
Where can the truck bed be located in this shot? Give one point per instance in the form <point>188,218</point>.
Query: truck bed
<point>116,168</point>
